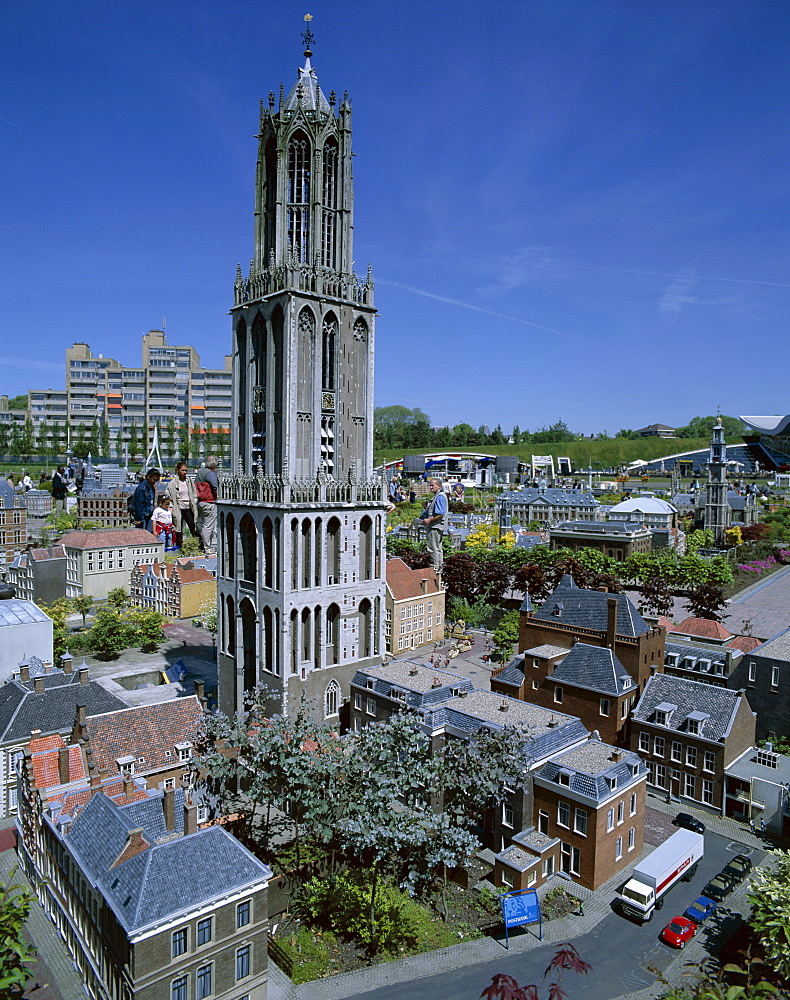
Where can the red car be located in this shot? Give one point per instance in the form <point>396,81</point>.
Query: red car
<point>678,931</point>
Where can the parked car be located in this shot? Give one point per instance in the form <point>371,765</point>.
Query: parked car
<point>702,908</point>
<point>689,822</point>
<point>678,931</point>
<point>718,887</point>
<point>737,868</point>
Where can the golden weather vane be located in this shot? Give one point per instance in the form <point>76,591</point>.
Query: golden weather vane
<point>307,36</point>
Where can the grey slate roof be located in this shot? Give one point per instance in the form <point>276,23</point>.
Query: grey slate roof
<point>22,710</point>
<point>548,731</point>
<point>676,652</point>
<point>595,668</point>
<point>718,703</point>
<point>777,648</point>
<point>418,686</point>
<point>553,497</point>
<point>178,874</point>
<point>306,92</point>
<point>589,609</point>
<point>600,527</point>
<point>590,769</point>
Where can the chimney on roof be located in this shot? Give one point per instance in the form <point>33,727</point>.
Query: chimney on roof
<point>169,808</point>
<point>66,664</point>
<point>38,685</point>
<point>128,786</point>
<point>190,818</point>
<point>63,765</point>
<point>95,786</point>
<point>200,693</point>
<point>413,670</point>
<point>34,733</point>
<point>24,672</point>
<point>84,679</point>
<point>611,622</point>
<point>595,735</point>
<point>437,681</point>
<point>424,584</point>
<point>503,706</point>
<point>616,756</point>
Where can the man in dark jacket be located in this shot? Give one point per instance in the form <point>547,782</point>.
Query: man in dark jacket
<point>59,488</point>
<point>144,500</point>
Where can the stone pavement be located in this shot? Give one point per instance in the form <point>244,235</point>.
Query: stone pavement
<point>766,604</point>
<point>53,976</point>
<point>596,906</point>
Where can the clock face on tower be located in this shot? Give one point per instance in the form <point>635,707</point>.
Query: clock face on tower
<point>327,401</point>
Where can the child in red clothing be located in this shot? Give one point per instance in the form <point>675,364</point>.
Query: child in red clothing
<point>163,520</point>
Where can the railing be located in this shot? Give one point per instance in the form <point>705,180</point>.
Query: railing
<point>295,274</point>
<point>283,490</point>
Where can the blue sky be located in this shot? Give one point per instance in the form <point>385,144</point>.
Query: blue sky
<point>574,210</point>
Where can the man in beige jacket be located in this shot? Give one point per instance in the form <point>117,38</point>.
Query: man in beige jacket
<point>181,491</point>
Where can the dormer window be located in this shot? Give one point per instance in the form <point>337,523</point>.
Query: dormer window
<point>370,683</point>
<point>126,764</point>
<point>397,694</point>
<point>664,712</point>
<point>184,751</point>
<point>564,778</point>
<point>695,722</point>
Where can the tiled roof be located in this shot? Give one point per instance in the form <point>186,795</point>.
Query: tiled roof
<point>589,769</point>
<point>57,552</point>
<point>777,647</point>
<point>702,627</point>
<point>149,731</point>
<point>22,710</point>
<point>417,679</point>
<point>746,643</point>
<point>600,527</point>
<point>595,668</point>
<point>589,609</point>
<point>44,758</point>
<point>699,653</point>
<point>167,878</point>
<point>404,583</point>
<point>547,731</point>
<point>664,622</point>
<point>718,703</point>
<point>109,539</point>
<point>551,497</point>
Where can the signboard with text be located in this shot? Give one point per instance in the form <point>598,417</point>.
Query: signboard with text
<point>520,907</point>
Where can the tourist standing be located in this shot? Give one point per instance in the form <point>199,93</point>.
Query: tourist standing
<point>181,491</point>
<point>59,488</point>
<point>434,518</point>
<point>144,500</point>
<point>206,487</point>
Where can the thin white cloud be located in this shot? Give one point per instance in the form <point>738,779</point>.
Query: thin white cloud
<point>676,296</point>
<point>474,308</point>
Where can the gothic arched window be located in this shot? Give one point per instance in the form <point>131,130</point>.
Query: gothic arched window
<point>299,195</point>
<point>330,206</point>
<point>328,352</point>
<point>331,699</point>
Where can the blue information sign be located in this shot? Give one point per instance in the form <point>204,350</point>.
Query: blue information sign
<point>520,907</point>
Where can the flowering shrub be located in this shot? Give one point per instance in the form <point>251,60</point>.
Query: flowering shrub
<point>758,566</point>
<point>784,555</point>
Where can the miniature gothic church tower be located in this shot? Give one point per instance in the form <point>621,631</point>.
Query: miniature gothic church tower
<point>301,522</point>
<point>717,510</point>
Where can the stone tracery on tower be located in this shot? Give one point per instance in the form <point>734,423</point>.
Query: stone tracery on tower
<point>302,521</point>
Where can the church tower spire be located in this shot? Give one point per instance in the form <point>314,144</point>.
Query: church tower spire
<point>717,510</point>
<point>301,520</point>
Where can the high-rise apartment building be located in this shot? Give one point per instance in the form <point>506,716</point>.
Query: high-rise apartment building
<point>169,389</point>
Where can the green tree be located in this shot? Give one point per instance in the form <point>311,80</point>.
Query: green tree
<point>42,439</point>
<point>18,402</point>
<point>706,600</point>
<point>81,439</point>
<point>144,628</point>
<point>15,953</point>
<point>195,443</point>
<point>134,442</point>
<point>58,612</point>
<point>82,605</point>
<point>558,431</point>
<point>94,437</point>
<point>17,438</point>
<point>769,895</point>
<point>110,633</point>
<point>702,427</point>
<point>5,436</point>
<point>104,439</point>
<point>506,634</point>
<point>209,618</point>
<point>184,449</point>
<point>170,439</point>
<point>118,598</point>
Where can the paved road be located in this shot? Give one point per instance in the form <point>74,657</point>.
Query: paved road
<point>619,950</point>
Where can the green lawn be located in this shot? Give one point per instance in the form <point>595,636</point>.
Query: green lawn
<point>603,454</point>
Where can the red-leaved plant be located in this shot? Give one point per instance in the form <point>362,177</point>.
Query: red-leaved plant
<point>506,988</point>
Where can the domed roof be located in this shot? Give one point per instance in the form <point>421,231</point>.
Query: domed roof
<point>643,505</point>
